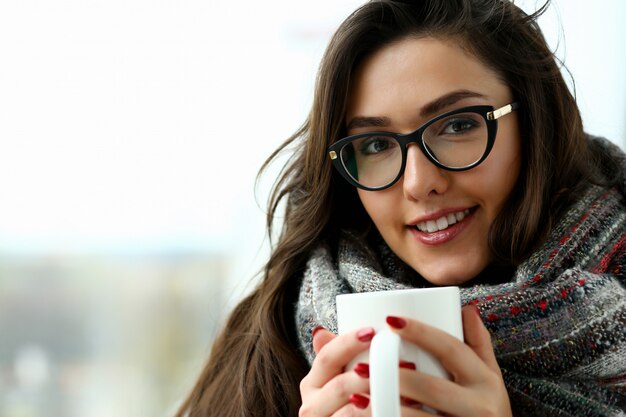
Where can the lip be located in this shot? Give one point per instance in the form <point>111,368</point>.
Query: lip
<point>437,214</point>
<point>443,236</point>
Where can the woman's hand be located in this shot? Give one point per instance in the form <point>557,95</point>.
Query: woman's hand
<point>476,388</point>
<point>329,389</point>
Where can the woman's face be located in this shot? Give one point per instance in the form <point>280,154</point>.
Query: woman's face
<point>405,84</point>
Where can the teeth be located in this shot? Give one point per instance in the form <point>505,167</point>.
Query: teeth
<point>443,222</point>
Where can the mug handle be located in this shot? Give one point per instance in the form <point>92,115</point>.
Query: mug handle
<point>384,374</point>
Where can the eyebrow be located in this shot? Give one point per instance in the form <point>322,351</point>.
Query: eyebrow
<point>361,121</point>
<point>433,107</point>
<point>449,99</point>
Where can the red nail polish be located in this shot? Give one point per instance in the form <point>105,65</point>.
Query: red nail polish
<point>359,401</point>
<point>408,365</point>
<point>365,335</point>
<point>408,402</point>
<point>362,369</point>
<point>317,329</point>
<point>396,322</point>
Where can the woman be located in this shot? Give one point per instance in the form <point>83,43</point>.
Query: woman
<point>483,178</point>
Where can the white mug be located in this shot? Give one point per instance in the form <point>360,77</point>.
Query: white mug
<point>438,307</point>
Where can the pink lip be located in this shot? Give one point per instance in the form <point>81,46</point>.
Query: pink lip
<point>442,236</point>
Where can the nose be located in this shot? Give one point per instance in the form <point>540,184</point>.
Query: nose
<point>422,178</point>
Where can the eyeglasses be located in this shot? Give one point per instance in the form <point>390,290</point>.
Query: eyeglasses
<point>457,140</point>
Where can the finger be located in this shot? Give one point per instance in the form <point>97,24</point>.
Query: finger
<point>336,354</point>
<point>455,356</point>
<point>434,392</point>
<point>478,338</point>
<point>359,407</point>
<point>321,336</point>
<point>336,394</point>
<point>414,412</point>
<point>412,408</point>
<point>410,403</point>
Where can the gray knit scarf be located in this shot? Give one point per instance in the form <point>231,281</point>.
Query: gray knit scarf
<point>557,322</point>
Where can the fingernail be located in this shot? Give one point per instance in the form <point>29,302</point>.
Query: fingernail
<point>408,365</point>
<point>365,335</point>
<point>408,402</point>
<point>362,369</point>
<point>477,311</point>
<point>396,322</point>
<point>359,401</point>
<point>317,329</point>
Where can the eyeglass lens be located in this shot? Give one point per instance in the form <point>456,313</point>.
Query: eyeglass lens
<point>455,141</point>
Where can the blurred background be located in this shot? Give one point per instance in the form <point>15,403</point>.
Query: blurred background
<point>131,132</point>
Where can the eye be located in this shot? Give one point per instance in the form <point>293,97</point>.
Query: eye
<point>376,145</point>
<point>458,126</point>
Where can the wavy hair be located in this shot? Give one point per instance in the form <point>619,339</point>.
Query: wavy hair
<point>255,367</point>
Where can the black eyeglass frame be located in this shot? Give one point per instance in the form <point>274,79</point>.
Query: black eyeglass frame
<point>490,115</point>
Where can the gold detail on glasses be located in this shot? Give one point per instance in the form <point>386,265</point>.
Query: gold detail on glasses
<point>496,114</point>
<point>333,155</point>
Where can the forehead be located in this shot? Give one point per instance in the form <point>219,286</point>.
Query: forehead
<point>415,71</point>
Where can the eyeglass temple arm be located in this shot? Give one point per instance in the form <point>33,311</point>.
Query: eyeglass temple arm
<point>502,111</point>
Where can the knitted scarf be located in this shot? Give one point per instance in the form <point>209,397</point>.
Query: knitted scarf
<point>557,322</point>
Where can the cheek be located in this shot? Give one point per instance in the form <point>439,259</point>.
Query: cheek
<point>370,203</point>
<point>497,187</point>
<point>510,172</point>
<point>379,205</point>
<point>500,173</point>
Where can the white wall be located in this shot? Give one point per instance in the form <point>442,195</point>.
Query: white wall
<point>590,37</point>
<point>118,119</point>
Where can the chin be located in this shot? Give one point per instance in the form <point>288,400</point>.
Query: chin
<point>447,281</point>
<point>451,276</point>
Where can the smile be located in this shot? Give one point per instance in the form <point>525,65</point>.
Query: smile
<point>442,223</point>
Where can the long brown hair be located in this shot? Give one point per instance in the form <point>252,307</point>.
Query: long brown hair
<point>255,366</point>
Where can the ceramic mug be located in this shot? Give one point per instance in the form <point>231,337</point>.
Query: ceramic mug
<point>438,307</point>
